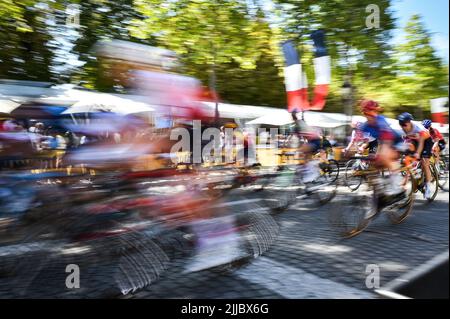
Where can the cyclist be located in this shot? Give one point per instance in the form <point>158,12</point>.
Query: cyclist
<point>367,141</point>
<point>326,149</point>
<point>423,143</point>
<point>312,145</point>
<point>438,139</point>
<point>389,142</point>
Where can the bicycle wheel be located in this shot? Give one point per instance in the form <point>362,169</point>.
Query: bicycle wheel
<point>318,193</point>
<point>331,170</point>
<point>352,175</point>
<point>348,213</point>
<point>280,190</point>
<point>442,171</point>
<point>434,183</point>
<point>398,212</point>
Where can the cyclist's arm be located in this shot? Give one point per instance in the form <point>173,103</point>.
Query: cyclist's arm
<point>420,146</point>
<point>364,145</point>
<point>352,141</point>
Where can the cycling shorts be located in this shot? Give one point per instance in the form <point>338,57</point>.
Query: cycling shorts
<point>315,145</point>
<point>441,145</point>
<point>373,147</point>
<point>427,147</point>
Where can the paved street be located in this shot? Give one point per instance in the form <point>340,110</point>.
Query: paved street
<point>309,260</point>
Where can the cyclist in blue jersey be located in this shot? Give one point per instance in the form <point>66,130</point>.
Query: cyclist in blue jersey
<point>389,143</point>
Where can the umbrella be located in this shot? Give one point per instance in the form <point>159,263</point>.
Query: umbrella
<point>97,102</point>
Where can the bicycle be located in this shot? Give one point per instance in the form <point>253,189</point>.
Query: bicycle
<point>442,172</point>
<point>353,213</point>
<point>419,176</point>
<point>353,176</point>
<point>285,186</point>
<point>328,166</point>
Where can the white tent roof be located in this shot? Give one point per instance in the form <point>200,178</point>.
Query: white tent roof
<point>7,106</point>
<point>98,102</point>
<point>318,119</point>
<point>227,110</point>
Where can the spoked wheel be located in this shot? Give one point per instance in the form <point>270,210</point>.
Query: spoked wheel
<point>331,170</point>
<point>434,183</point>
<point>318,193</point>
<point>442,171</point>
<point>349,214</point>
<point>352,176</point>
<point>399,211</point>
<point>280,190</point>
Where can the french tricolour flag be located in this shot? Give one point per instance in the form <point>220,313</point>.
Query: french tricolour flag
<point>439,110</point>
<point>295,78</point>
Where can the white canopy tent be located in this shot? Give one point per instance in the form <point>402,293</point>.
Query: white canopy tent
<point>328,120</point>
<point>227,110</point>
<point>7,106</point>
<point>98,102</point>
<point>317,119</point>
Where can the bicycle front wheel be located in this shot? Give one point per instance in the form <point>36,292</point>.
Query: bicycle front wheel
<point>348,214</point>
<point>442,171</point>
<point>331,170</point>
<point>352,174</point>
<point>399,211</point>
<point>434,183</point>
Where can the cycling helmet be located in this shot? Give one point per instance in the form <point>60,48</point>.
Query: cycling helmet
<point>369,106</point>
<point>405,118</point>
<point>426,123</point>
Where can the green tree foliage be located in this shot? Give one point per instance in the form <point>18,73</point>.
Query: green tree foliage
<point>26,52</point>
<point>231,39</point>
<point>99,20</point>
<point>420,73</point>
<point>224,39</point>
<point>357,52</point>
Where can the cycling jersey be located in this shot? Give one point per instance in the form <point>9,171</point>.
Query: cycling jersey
<point>435,134</point>
<point>359,136</point>
<point>414,136</point>
<point>380,130</point>
<point>416,133</point>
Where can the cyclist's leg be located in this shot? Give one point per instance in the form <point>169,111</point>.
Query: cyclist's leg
<point>425,158</point>
<point>440,148</point>
<point>387,157</point>
<point>312,168</point>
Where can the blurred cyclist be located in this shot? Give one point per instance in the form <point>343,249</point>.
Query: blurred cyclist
<point>389,141</point>
<point>438,139</point>
<point>312,145</point>
<point>423,143</point>
<point>367,141</point>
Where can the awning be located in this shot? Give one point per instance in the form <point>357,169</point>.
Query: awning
<point>316,119</point>
<point>7,106</point>
<point>97,102</point>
